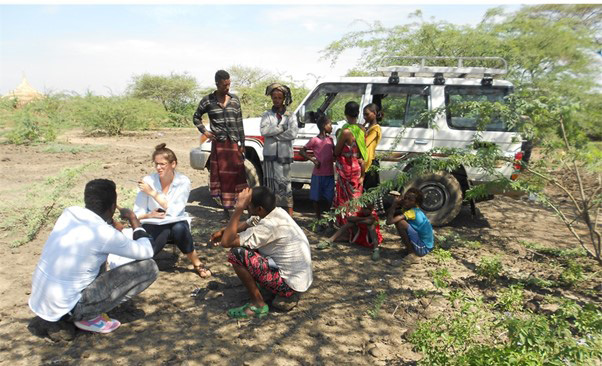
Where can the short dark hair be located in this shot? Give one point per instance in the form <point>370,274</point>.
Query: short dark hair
<point>319,118</point>
<point>416,194</point>
<point>221,75</point>
<point>100,195</point>
<point>374,108</point>
<point>263,197</point>
<point>352,109</point>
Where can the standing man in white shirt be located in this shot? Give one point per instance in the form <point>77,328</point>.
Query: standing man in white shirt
<point>268,249</point>
<point>68,284</point>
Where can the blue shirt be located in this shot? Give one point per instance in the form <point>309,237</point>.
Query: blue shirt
<point>418,220</point>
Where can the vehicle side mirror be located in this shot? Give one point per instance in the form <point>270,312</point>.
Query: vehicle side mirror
<point>301,116</point>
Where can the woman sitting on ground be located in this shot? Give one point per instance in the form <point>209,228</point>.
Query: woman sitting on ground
<point>160,207</point>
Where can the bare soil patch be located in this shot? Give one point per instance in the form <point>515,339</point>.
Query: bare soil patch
<point>331,324</point>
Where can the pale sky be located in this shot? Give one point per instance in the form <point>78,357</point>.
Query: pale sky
<point>100,47</point>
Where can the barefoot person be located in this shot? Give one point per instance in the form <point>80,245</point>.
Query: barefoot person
<point>279,128</point>
<point>413,226</point>
<point>67,284</point>
<point>160,205</point>
<point>226,167</point>
<point>268,249</point>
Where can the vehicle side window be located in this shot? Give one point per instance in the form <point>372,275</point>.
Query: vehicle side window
<point>459,118</point>
<point>401,105</point>
<point>331,98</point>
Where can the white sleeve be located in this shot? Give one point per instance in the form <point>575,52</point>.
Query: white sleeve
<point>141,203</point>
<point>119,244</point>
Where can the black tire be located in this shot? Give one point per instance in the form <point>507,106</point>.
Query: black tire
<point>253,173</point>
<point>442,197</point>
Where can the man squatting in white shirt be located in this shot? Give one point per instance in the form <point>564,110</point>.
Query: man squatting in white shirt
<point>68,284</point>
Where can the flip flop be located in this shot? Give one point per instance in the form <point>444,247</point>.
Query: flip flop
<point>202,271</point>
<point>240,313</point>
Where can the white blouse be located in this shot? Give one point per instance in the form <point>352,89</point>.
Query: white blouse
<point>177,198</point>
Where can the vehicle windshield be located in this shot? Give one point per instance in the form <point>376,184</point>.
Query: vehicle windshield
<point>331,98</point>
<point>401,105</point>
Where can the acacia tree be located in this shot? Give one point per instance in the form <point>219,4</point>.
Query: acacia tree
<point>177,93</point>
<point>250,84</point>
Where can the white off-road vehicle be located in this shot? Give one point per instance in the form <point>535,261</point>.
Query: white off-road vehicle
<point>403,93</point>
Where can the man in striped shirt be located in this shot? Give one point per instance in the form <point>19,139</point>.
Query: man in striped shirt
<point>227,136</point>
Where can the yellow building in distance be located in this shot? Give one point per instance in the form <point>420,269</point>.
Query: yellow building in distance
<point>24,93</point>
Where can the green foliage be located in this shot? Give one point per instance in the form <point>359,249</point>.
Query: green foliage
<point>61,148</point>
<point>177,93</point>
<point>538,282</point>
<point>378,302</point>
<point>441,255</point>
<point>555,252</point>
<point>510,299</point>
<point>113,115</point>
<point>572,274</point>
<point>46,201</point>
<point>489,268</point>
<point>31,128</point>
<point>551,51</point>
<point>471,334</point>
<point>250,83</point>
<point>440,277</point>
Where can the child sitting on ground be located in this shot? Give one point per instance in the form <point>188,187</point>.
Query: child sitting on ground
<point>413,226</point>
<point>322,177</point>
<point>363,229</point>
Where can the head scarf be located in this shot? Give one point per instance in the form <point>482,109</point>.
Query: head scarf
<point>358,133</point>
<point>288,99</point>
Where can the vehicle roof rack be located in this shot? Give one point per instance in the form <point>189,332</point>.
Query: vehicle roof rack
<point>420,67</point>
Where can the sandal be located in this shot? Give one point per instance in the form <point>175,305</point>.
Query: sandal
<point>202,271</point>
<point>240,313</point>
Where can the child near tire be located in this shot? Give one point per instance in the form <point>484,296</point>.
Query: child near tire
<point>413,226</point>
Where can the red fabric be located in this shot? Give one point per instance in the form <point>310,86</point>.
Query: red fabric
<point>362,237</point>
<point>348,183</point>
<point>259,268</point>
<point>227,172</point>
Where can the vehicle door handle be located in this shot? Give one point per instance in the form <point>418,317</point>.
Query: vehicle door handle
<point>421,142</point>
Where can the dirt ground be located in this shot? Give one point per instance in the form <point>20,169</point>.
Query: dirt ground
<point>330,325</point>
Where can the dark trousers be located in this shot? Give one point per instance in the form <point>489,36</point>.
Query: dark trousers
<point>178,232</point>
<point>113,287</point>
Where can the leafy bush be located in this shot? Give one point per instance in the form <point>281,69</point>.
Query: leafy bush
<point>489,268</point>
<point>113,115</point>
<point>471,334</point>
<point>511,299</point>
<point>30,128</point>
<point>572,274</point>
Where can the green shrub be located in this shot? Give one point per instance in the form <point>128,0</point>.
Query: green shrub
<point>30,128</point>
<point>511,299</point>
<point>572,274</point>
<point>113,115</point>
<point>489,267</point>
<point>471,334</point>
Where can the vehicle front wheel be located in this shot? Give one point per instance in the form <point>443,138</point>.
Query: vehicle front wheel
<point>442,197</point>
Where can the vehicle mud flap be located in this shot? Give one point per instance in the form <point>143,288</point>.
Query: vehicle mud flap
<point>442,196</point>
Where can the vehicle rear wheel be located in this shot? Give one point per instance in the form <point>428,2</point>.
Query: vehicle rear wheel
<point>253,173</point>
<point>442,197</point>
